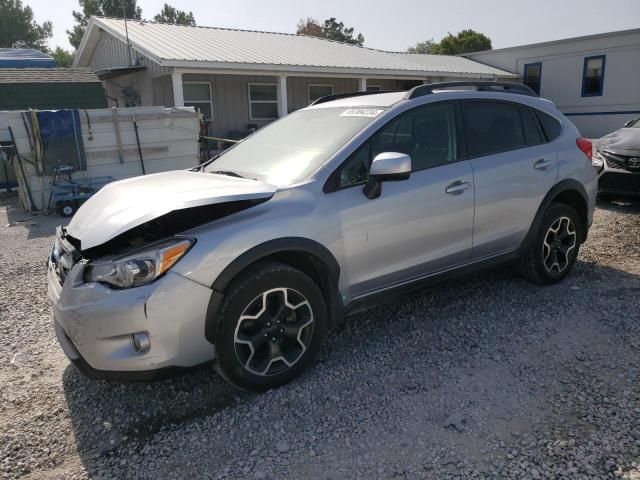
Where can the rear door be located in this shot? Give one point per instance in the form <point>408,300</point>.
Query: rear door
<point>514,168</point>
<point>417,226</point>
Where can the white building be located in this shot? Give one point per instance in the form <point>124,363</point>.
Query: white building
<point>594,80</point>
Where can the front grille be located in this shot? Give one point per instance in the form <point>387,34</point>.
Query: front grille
<point>620,183</point>
<point>621,162</point>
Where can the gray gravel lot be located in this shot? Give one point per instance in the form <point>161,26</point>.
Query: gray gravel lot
<point>484,377</point>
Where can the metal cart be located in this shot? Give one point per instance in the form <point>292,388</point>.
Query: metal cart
<point>67,195</point>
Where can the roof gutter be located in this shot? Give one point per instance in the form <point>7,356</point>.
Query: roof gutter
<point>231,68</point>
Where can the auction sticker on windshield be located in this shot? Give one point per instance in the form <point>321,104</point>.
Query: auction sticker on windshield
<point>362,112</point>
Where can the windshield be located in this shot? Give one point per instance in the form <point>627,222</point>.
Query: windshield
<point>290,149</point>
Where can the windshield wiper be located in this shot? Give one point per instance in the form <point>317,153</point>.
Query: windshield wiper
<point>227,172</point>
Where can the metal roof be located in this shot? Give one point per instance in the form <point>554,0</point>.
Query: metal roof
<point>24,57</point>
<point>455,64</point>
<point>47,75</point>
<point>209,47</point>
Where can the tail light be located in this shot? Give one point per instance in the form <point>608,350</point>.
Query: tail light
<point>586,146</point>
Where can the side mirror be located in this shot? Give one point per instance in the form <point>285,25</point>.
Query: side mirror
<point>386,167</point>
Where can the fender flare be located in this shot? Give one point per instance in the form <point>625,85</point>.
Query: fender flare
<point>562,186</point>
<point>280,245</point>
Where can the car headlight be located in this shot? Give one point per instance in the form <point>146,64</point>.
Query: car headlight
<point>139,267</point>
<point>597,160</point>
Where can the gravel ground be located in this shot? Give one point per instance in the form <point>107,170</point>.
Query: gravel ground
<point>486,377</point>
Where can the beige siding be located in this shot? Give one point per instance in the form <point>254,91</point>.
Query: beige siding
<point>298,88</point>
<point>384,84</point>
<point>111,52</point>
<point>162,91</point>
<point>230,100</point>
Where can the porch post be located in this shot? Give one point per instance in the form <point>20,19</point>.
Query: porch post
<point>178,94</point>
<point>363,84</point>
<point>282,96</point>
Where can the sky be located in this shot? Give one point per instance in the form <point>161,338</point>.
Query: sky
<point>391,24</point>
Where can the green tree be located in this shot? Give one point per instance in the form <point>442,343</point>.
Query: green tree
<point>168,14</point>
<point>63,58</point>
<point>422,47</point>
<point>105,8</point>
<point>19,29</point>
<point>331,30</point>
<point>465,41</point>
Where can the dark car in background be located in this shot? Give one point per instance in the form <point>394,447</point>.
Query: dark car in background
<point>617,158</point>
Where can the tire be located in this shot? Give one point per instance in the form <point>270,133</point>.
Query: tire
<point>536,261</point>
<point>261,342</point>
<point>67,209</point>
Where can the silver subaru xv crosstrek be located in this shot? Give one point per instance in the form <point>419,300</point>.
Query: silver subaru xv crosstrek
<point>251,258</point>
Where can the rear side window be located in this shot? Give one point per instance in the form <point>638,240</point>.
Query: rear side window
<point>532,134</point>
<point>550,125</point>
<point>492,127</point>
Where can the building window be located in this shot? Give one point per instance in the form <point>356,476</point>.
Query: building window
<point>593,76</point>
<point>373,88</point>
<point>319,91</point>
<point>532,76</point>
<point>198,95</point>
<point>263,101</point>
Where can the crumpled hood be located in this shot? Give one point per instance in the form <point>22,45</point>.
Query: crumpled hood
<point>125,204</point>
<point>625,141</point>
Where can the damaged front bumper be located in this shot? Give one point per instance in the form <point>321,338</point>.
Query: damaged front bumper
<point>95,325</point>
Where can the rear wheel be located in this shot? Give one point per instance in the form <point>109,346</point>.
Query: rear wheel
<point>554,251</point>
<point>271,326</point>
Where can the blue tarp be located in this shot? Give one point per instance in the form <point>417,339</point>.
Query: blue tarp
<point>61,139</point>
<point>25,58</point>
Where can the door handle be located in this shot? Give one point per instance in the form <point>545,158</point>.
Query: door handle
<point>457,187</point>
<point>542,164</point>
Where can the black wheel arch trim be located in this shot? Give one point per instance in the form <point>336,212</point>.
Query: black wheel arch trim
<point>566,185</point>
<point>267,249</point>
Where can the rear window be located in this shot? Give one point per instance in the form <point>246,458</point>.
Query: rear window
<point>550,125</point>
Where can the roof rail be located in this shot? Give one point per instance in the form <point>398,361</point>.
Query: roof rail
<point>484,86</point>
<point>338,96</point>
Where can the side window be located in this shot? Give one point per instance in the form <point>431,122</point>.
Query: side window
<point>593,76</point>
<point>550,125</point>
<point>426,133</point>
<point>532,134</point>
<point>492,127</point>
<point>356,169</point>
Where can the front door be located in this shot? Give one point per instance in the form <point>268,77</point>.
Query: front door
<point>418,226</point>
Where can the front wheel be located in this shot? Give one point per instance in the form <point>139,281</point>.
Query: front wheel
<point>272,323</point>
<point>554,251</point>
